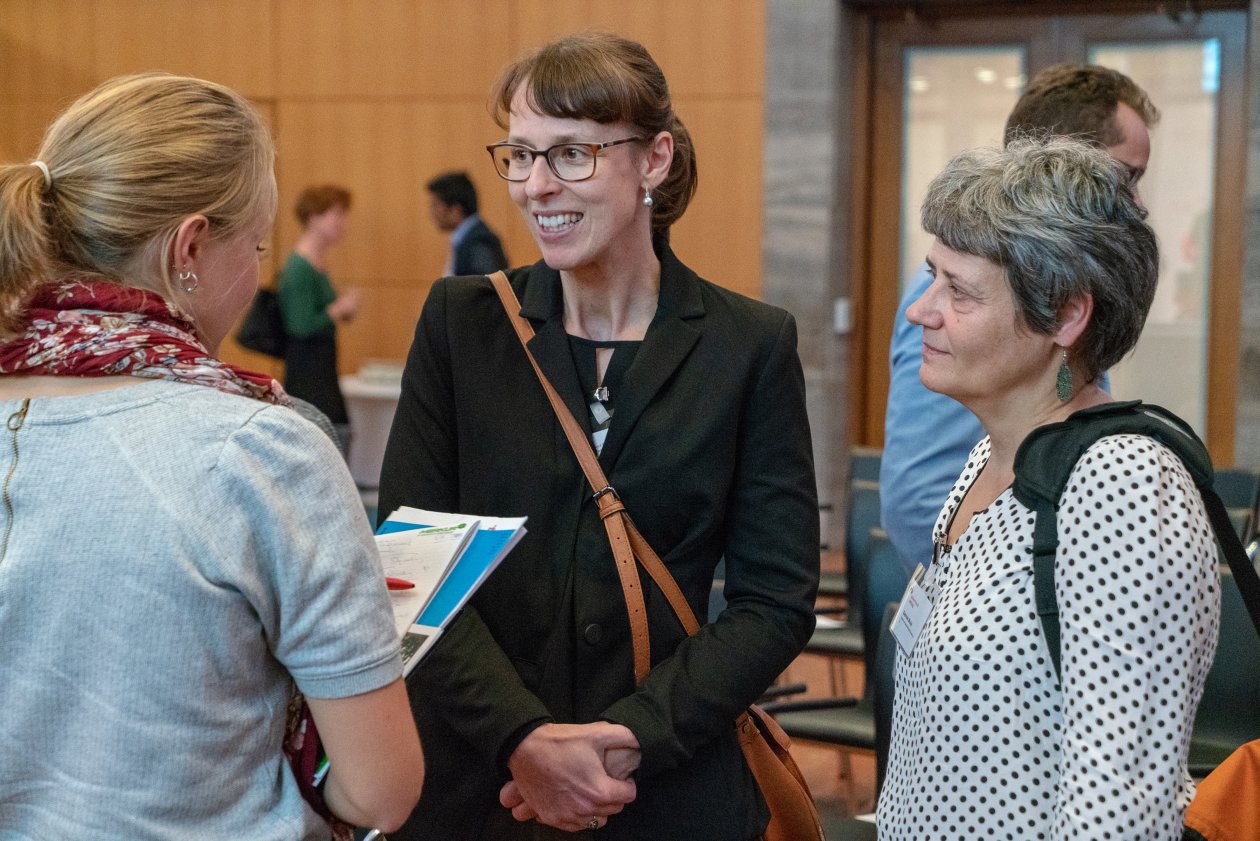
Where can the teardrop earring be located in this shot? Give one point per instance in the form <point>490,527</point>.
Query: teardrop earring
<point>1063,382</point>
<point>647,197</point>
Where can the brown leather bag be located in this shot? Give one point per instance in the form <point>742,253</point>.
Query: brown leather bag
<point>793,816</point>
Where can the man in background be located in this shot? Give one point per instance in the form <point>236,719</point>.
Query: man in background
<point>928,436</point>
<point>475,249</point>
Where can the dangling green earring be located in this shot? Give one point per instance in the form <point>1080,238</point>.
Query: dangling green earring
<point>1063,382</point>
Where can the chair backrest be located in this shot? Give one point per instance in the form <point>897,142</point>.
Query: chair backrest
<point>885,583</point>
<point>885,679</point>
<point>863,515</point>
<point>1240,519</point>
<point>886,580</point>
<point>1238,488</point>
<point>864,463</point>
<point>1229,713</point>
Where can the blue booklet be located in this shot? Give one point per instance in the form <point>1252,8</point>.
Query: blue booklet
<point>494,538</point>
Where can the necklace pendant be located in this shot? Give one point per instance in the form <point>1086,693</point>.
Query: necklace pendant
<point>601,394</point>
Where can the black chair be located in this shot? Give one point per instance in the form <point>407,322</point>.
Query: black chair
<point>864,463</point>
<point>833,585</point>
<point>1229,713</point>
<point>859,723</point>
<point>1241,520</point>
<point>864,468</point>
<point>847,640</point>
<point>863,485</point>
<point>1238,488</point>
<point>851,829</point>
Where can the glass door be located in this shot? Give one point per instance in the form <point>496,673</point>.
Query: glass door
<point>941,86</point>
<point>1183,79</point>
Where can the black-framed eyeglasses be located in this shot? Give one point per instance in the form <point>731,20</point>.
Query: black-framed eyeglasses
<point>569,161</point>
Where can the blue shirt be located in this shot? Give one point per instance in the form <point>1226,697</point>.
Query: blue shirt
<point>927,437</point>
<point>462,229</point>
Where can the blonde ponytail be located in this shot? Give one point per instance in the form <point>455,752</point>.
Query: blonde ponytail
<point>23,239</point>
<point>127,163</point>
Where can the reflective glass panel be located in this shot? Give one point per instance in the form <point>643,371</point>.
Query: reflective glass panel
<point>955,98</point>
<point>1181,77</point>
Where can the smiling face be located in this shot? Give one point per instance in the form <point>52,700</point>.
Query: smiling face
<point>974,346</point>
<point>581,225</point>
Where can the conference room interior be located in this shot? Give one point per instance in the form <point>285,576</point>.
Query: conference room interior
<point>817,125</point>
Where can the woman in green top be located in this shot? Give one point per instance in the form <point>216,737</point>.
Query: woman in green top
<point>312,308</point>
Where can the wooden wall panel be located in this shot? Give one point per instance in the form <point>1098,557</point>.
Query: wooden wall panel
<point>704,46</point>
<point>385,324</point>
<point>389,48</point>
<point>382,96</point>
<point>46,49</point>
<point>227,41</point>
<point>22,125</point>
<point>720,235</point>
<point>383,152</point>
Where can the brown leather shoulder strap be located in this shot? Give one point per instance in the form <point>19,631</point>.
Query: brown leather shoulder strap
<point>626,541</point>
<point>577,438</point>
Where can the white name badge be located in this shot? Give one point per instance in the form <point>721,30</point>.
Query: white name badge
<point>912,615</point>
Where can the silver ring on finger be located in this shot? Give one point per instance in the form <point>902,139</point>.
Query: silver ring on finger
<point>594,824</point>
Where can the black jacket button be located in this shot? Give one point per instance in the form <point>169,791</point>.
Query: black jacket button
<point>592,634</point>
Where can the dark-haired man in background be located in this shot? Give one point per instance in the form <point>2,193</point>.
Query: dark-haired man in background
<point>475,249</point>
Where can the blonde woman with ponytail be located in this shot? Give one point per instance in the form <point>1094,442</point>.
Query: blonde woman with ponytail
<point>693,396</point>
<point>180,548</point>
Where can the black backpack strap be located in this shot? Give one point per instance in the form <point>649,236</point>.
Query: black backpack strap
<point>1240,565</point>
<point>1045,460</point>
<point>1045,544</point>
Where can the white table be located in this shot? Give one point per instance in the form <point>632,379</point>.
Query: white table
<point>371,405</point>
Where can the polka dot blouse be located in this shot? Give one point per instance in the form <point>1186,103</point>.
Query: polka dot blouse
<point>985,745</point>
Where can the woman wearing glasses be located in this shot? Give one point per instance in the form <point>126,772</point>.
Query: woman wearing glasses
<point>693,397</point>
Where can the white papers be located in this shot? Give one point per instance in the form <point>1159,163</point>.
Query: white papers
<point>423,557</point>
<point>412,541</point>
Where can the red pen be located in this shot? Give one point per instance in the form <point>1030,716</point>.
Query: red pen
<point>399,584</point>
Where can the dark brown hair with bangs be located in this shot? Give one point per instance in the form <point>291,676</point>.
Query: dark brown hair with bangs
<point>605,78</point>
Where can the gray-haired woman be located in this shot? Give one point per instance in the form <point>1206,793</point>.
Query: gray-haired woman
<point>1044,271</point>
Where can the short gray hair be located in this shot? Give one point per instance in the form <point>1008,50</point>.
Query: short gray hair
<point>1060,219</point>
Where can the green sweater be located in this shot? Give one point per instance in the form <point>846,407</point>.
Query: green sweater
<point>305,293</point>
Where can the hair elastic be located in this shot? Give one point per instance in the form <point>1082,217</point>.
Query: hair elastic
<point>43,167</point>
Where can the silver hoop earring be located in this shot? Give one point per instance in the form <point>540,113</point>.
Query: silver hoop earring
<point>188,279</point>
<point>647,197</point>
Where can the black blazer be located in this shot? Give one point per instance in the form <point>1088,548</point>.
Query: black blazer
<point>479,252</point>
<point>710,451</point>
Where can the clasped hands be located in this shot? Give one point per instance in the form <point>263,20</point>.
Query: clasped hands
<point>572,776</point>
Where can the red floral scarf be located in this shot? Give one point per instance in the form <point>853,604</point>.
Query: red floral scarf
<point>94,328</point>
